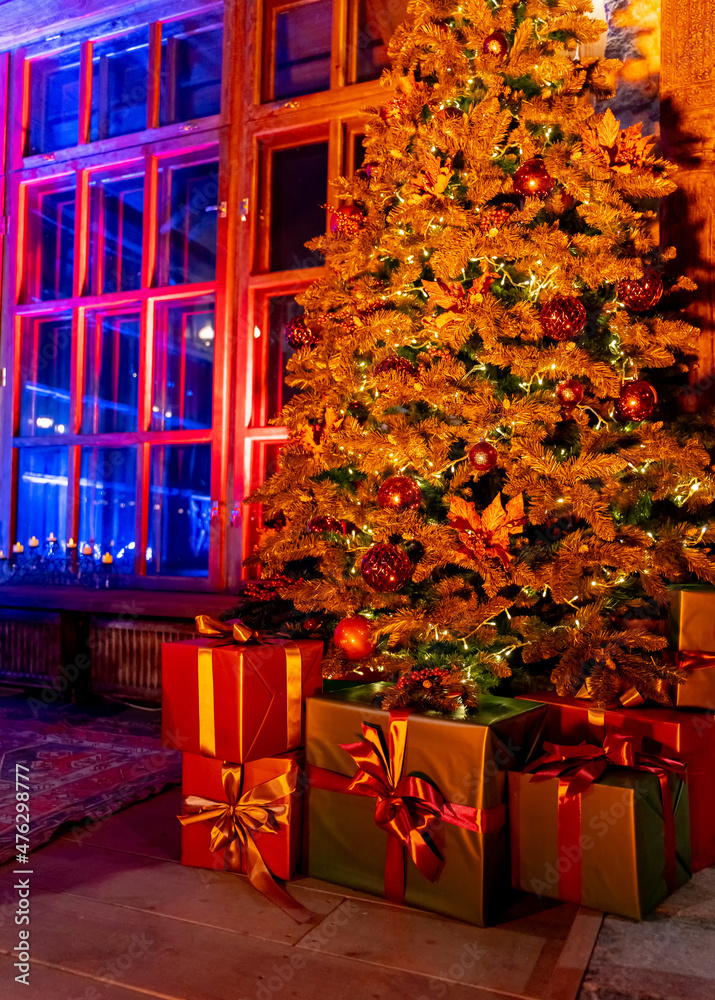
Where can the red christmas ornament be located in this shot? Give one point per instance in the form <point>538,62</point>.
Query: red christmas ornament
<point>494,218</point>
<point>569,392</point>
<point>299,335</point>
<point>636,401</point>
<point>325,523</point>
<point>386,568</point>
<point>563,317</point>
<point>483,456</point>
<point>641,294</point>
<point>532,178</point>
<point>399,493</point>
<point>394,109</point>
<point>400,365</point>
<point>495,44</point>
<point>348,220</point>
<point>352,635</point>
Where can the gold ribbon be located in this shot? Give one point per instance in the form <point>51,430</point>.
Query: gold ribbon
<point>238,632</point>
<point>629,697</point>
<point>261,809</point>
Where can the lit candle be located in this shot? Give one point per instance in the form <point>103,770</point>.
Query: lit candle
<point>2,555</point>
<point>34,542</point>
<point>18,548</point>
<point>52,537</point>
<point>71,544</point>
<point>108,558</point>
<point>86,550</point>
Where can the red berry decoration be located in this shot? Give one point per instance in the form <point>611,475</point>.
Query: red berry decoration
<point>494,218</point>
<point>399,493</point>
<point>495,44</point>
<point>636,401</point>
<point>483,456</point>
<point>299,335</point>
<point>532,178</point>
<point>325,523</point>
<point>352,635</point>
<point>563,317</point>
<point>386,568</point>
<point>569,392</point>
<point>348,220</point>
<point>400,365</point>
<point>641,294</point>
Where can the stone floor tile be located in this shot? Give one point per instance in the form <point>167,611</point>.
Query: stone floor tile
<point>47,983</point>
<point>694,901</point>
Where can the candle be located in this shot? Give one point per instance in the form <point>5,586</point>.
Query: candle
<point>71,544</point>
<point>108,558</point>
<point>34,542</point>
<point>52,537</point>
<point>2,555</point>
<point>18,548</point>
<point>86,550</point>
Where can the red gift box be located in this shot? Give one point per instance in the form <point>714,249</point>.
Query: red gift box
<point>238,701</point>
<point>688,736</point>
<point>245,818</point>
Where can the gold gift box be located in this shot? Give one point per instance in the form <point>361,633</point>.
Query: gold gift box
<point>465,756</point>
<point>622,846</point>
<point>692,618</point>
<point>698,687</point>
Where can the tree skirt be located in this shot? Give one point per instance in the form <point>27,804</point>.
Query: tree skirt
<point>82,767</point>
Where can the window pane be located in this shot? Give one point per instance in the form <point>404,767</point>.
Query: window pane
<point>303,35</point>
<point>264,462</point>
<point>191,60</point>
<point>300,189</point>
<point>50,240</point>
<point>54,102</point>
<point>111,389</point>
<point>358,151</point>
<point>45,367</point>
<point>42,493</point>
<point>271,391</point>
<point>183,366</point>
<point>120,71</point>
<point>179,510</point>
<point>107,502</point>
<point>376,24</point>
<point>116,226</point>
<point>187,229</point>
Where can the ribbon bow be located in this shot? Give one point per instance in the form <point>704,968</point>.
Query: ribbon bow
<point>406,807</point>
<point>234,630</point>
<point>628,696</point>
<point>261,809</point>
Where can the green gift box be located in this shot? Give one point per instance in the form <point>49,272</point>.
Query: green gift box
<point>411,806</point>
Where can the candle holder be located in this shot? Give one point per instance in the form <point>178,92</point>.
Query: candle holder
<point>58,565</point>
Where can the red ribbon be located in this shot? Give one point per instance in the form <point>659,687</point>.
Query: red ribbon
<point>577,768</point>
<point>409,809</point>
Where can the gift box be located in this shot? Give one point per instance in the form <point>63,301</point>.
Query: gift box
<point>605,827</point>
<point>237,700</point>
<point>245,818</point>
<point>692,617</point>
<point>411,806</point>
<point>688,736</point>
<point>698,687</point>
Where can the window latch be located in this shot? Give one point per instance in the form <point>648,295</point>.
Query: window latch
<point>244,209</point>
<point>4,377</point>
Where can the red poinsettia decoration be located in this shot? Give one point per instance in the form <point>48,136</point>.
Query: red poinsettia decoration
<point>617,148</point>
<point>486,535</point>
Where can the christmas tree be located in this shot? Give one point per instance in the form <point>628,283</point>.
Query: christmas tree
<point>488,469</point>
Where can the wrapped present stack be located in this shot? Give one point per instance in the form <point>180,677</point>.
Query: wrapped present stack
<point>420,794</point>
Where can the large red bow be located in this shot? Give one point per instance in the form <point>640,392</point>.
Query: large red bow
<point>406,807</point>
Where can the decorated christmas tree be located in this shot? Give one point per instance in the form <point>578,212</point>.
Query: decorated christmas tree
<point>488,469</point>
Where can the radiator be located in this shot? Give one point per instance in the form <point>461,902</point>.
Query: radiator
<point>30,650</point>
<point>126,655</point>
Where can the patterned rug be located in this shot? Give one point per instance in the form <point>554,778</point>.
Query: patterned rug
<point>83,764</point>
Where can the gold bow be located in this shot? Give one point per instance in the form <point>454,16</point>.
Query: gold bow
<point>261,809</point>
<point>235,630</point>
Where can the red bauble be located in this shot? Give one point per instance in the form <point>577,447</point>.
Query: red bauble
<point>386,568</point>
<point>495,44</point>
<point>299,335</point>
<point>563,317</point>
<point>483,456</point>
<point>400,365</point>
<point>569,392</point>
<point>494,218</point>
<point>352,635</point>
<point>399,493</point>
<point>394,109</point>
<point>347,221</point>
<point>641,294</point>
<point>532,178</point>
<point>325,523</point>
<point>636,401</point>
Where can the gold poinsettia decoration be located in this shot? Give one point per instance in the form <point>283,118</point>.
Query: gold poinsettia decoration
<point>453,298</point>
<point>434,177</point>
<point>310,436</point>
<point>617,148</point>
<point>486,535</point>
